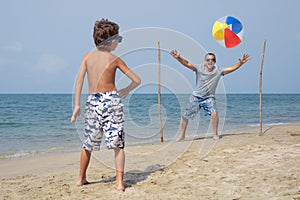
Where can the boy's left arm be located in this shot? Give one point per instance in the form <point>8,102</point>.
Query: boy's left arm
<point>78,88</point>
<point>234,67</point>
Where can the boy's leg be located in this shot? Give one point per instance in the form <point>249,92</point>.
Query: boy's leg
<point>215,122</point>
<point>184,123</point>
<point>119,162</point>
<point>84,162</point>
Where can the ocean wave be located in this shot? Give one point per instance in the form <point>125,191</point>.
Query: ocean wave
<point>10,124</point>
<point>30,153</point>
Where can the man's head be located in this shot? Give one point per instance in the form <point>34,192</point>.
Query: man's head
<point>104,33</point>
<point>210,60</point>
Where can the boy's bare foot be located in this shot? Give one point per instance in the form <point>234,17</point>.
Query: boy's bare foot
<point>216,137</point>
<point>81,183</point>
<point>120,188</point>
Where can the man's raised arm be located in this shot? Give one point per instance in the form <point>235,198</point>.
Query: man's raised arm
<point>183,61</point>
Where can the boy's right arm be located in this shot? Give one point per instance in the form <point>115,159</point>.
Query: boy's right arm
<point>183,61</point>
<point>135,80</point>
<point>78,89</point>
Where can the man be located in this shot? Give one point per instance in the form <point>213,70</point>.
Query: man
<point>203,96</point>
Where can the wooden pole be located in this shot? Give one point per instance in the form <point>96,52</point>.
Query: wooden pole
<point>158,97</point>
<point>260,88</point>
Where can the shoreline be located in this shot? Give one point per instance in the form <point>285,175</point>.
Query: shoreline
<point>241,165</point>
<point>73,148</point>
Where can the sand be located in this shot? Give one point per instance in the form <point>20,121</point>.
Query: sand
<point>241,165</point>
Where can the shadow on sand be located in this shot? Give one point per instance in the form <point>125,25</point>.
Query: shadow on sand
<point>133,177</point>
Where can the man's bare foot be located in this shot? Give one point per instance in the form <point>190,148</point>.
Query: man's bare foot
<point>81,183</point>
<point>180,138</point>
<point>216,137</point>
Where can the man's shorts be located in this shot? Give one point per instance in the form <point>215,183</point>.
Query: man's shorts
<point>104,115</point>
<point>196,103</point>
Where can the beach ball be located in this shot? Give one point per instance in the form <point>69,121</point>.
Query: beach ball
<point>228,31</point>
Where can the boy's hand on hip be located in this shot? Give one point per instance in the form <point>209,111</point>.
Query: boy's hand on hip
<point>123,93</point>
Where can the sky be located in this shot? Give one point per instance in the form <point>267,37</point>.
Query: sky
<point>42,42</point>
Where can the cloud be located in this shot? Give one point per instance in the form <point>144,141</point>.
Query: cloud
<point>51,64</point>
<point>15,47</point>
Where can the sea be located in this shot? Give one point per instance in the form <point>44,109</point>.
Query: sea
<point>39,124</point>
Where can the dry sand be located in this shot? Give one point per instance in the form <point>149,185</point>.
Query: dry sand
<point>241,165</point>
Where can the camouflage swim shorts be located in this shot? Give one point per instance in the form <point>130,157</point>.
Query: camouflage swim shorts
<point>196,103</point>
<point>104,114</point>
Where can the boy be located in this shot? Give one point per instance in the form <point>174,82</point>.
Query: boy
<point>104,110</point>
<point>207,76</point>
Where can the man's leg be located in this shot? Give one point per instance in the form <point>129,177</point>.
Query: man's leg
<point>119,162</point>
<point>84,162</point>
<point>215,123</point>
<point>184,123</point>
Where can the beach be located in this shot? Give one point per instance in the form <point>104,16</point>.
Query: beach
<point>241,165</point>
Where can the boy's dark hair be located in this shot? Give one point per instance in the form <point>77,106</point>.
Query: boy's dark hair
<point>103,30</point>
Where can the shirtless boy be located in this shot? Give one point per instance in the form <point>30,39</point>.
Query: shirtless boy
<point>104,110</point>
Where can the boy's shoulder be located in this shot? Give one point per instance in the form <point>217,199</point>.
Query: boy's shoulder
<point>85,56</point>
<point>96,54</point>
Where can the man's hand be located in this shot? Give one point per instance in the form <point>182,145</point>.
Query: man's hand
<point>183,61</point>
<point>234,67</point>
<point>175,54</point>
<point>245,58</point>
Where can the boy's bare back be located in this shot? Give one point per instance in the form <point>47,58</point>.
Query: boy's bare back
<point>101,69</point>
